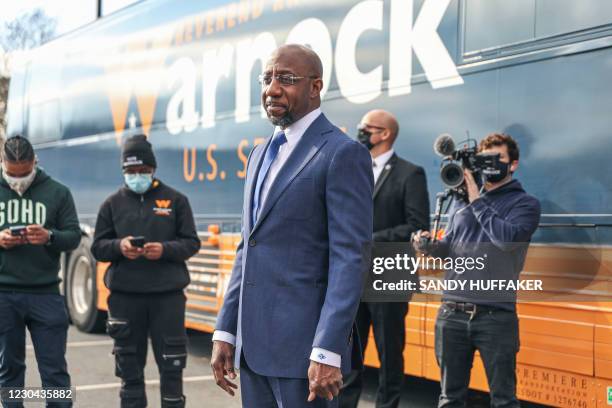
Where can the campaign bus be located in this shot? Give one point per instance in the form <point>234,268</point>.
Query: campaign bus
<point>185,73</point>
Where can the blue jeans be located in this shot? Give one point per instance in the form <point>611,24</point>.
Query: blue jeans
<point>494,333</point>
<point>46,318</point>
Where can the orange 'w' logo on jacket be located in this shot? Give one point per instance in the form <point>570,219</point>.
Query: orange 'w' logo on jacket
<point>163,203</point>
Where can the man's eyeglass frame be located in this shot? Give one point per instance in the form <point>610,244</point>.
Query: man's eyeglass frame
<point>283,79</point>
<point>367,126</point>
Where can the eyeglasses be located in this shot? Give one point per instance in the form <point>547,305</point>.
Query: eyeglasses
<point>283,79</point>
<point>367,127</point>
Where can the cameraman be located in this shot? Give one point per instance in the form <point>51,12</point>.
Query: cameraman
<point>504,214</point>
<point>147,231</point>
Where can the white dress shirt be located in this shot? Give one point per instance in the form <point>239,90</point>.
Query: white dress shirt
<point>293,134</point>
<point>378,164</point>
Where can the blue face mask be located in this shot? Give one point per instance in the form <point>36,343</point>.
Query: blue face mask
<point>138,183</point>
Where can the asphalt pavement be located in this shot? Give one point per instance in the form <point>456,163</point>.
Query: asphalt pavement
<point>91,366</point>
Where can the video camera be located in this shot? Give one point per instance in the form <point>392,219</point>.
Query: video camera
<point>455,160</point>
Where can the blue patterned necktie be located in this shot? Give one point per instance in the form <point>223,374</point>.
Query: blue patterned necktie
<point>278,140</point>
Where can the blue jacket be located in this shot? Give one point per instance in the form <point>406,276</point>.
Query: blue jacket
<point>298,273</point>
<point>499,224</point>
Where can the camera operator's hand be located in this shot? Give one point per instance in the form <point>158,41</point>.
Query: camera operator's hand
<point>471,186</point>
<point>420,240</point>
<point>153,251</point>
<point>37,235</point>
<point>129,251</point>
<point>8,241</point>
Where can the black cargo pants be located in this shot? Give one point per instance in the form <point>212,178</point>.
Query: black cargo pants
<point>132,318</point>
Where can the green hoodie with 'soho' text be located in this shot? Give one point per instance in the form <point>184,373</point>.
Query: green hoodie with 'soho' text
<point>34,268</point>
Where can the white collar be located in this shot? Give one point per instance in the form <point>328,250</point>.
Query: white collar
<point>296,130</point>
<point>382,159</point>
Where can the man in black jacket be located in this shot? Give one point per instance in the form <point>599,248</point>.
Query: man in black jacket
<point>401,207</point>
<point>146,230</point>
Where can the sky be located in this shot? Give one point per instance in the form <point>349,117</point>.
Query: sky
<point>70,14</point>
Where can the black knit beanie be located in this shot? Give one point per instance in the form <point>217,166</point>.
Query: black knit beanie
<point>137,151</point>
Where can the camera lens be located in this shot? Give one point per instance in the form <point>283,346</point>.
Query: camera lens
<point>452,175</point>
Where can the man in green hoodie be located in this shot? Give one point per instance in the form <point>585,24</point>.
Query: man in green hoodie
<point>38,221</point>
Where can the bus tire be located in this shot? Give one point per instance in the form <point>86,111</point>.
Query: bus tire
<point>81,290</point>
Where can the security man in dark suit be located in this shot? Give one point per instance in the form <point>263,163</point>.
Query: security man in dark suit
<point>401,207</point>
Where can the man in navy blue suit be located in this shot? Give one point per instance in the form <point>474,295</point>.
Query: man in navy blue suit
<point>288,313</point>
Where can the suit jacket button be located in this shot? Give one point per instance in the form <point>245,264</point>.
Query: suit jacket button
<point>252,242</point>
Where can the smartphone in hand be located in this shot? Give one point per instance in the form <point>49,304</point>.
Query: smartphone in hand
<point>18,230</point>
<point>138,242</point>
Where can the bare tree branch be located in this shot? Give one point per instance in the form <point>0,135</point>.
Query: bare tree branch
<point>28,31</point>
<point>4,84</point>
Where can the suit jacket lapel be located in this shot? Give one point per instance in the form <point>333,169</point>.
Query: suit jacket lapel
<point>383,176</point>
<point>258,156</point>
<point>310,143</point>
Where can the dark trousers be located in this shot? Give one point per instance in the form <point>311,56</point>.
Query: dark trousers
<point>494,333</point>
<point>46,318</point>
<point>388,322</point>
<point>132,318</point>
<point>259,391</point>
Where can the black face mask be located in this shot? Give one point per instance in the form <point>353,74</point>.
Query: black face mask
<point>363,136</point>
<point>504,169</point>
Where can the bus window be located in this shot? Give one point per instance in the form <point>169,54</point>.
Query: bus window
<point>563,16</point>
<point>490,25</point>
<point>43,122</point>
<point>43,119</point>
<point>495,23</point>
<point>16,102</point>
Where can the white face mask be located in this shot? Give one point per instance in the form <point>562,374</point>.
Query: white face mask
<point>19,184</point>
